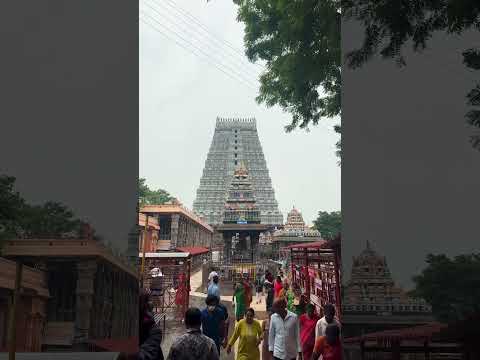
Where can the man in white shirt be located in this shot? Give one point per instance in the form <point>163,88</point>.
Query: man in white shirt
<point>329,318</point>
<point>284,333</point>
<point>210,276</point>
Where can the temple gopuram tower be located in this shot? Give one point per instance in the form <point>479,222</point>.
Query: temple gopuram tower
<point>234,141</point>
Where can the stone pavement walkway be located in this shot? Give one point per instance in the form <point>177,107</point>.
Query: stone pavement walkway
<point>197,299</point>
<point>196,283</point>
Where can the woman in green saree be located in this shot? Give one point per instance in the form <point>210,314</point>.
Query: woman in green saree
<point>239,300</point>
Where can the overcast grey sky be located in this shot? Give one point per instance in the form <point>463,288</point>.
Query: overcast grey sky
<point>181,95</point>
<point>410,178</point>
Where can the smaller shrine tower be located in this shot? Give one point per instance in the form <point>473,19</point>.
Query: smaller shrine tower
<point>241,226</point>
<point>295,231</point>
<point>372,301</point>
<point>240,207</point>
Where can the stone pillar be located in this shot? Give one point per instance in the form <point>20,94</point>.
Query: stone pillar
<point>191,234</point>
<point>182,229</point>
<point>35,323</point>
<point>84,301</point>
<point>187,241</point>
<point>174,231</point>
<point>33,334</point>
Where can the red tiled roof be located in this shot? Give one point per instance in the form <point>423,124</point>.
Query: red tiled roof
<point>127,346</point>
<point>309,245</point>
<point>195,250</point>
<point>422,332</point>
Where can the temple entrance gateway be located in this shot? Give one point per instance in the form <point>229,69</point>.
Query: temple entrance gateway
<point>241,241</point>
<point>240,231</point>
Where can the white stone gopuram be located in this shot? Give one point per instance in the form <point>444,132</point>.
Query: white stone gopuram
<point>235,140</point>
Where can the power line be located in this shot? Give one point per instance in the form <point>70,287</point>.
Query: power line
<point>205,28</point>
<point>247,70</point>
<point>222,42</point>
<point>239,57</point>
<point>199,49</point>
<point>194,53</point>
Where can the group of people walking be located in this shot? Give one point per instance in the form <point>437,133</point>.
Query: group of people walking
<point>292,329</point>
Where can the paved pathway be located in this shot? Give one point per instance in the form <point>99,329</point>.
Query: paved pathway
<point>196,283</point>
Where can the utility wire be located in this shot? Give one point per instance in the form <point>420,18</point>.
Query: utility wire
<point>194,53</point>
<point>205,28</point>
<point>199,49</point>
<point>246,70</point>
<point>210,37</point>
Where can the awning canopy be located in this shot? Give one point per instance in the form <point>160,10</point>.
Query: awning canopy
<point>194,250</point>
<point>308,245</point>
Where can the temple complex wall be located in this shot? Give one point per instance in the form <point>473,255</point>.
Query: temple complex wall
<point>93,293</point>
<point>179,227</point>
<point>31,308</point>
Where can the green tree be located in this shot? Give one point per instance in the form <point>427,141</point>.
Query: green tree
<point>451,286</point>
<point>329,224</point>
<point>300,44</point>
<point>391,24</point>
<point>11,207</point>
<point>17,218</point>
<point>148,196</point>
<point>50,220</point>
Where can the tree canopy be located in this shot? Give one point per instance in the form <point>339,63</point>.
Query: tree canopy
<point>20,219</point>
<point>329,224</point>
<point>391,24</point>
<point>451,286</point>
<point>11,207</point>
<point>300,44</point>
<point>148,196</point>
<point>49,220</point>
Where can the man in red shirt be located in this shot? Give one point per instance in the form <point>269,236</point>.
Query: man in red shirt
<point>329,346</point>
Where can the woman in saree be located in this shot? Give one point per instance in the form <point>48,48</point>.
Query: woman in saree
<point>307,323</point>
<point>181,295</point>
<point>249,332</point>
<point>289,296</point>
<point>239,300</point>
<point>248,291</point>
<point>300,301</point>
<point>278,286</point>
